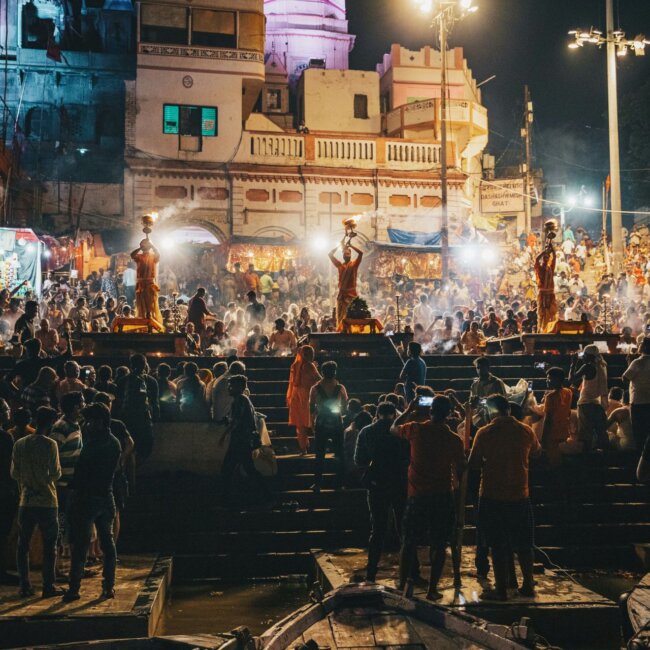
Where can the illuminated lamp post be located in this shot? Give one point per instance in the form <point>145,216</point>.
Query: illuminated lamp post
<point>617,45</point>
<point>445,14</point>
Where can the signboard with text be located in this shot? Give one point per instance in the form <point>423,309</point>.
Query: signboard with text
<point>503,196</point>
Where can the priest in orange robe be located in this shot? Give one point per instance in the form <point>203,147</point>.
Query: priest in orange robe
<point>302,377</point>
<point>546,302</point>
<point>348,271</point>
<point>146,259</point>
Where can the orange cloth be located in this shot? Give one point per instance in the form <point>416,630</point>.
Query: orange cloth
<point>546,303</point>
<point>436,452</point>
<point>504,447</point>
<point>557,411</point>
<point>348,272</point>
<point>303,375</point>
<point>146,289</point>
<point>252,281</point>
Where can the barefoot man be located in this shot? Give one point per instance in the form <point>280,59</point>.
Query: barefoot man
<point>348,271</point>
<point>146,259</point>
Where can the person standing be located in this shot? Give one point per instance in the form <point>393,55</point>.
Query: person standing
<point>252,279</point>
<point>328,401</point>
<point>243,434</point>
<point>638,374</point>
<point>414,372</point>
<point>557,415</point>
<point>348,271</point>
<point>139,405</point>
<point>197,310</point>
<point>302,376</point>
<point>437,463</point>
<point>92,501</point>
<point>129,278</point>
<point>591,374</point>
<point>8,492</point>
<point>501,451</point>
<point>384,460</point>
<point>36,468</point>
<point>67,435</point>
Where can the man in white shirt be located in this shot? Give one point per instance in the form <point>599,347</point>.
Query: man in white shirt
<point>638,374</point>
<point>129,278</point>
<point>422,313</point>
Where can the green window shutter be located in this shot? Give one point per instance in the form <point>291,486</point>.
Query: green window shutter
<point>209,121</point>
<point>171,119</point>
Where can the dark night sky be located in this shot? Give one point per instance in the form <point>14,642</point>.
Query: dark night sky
<point>525,41</point>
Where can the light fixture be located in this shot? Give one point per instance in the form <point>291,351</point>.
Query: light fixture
<point>621,50</point>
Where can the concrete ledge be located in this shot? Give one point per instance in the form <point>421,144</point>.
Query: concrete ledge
<point>141,591</point>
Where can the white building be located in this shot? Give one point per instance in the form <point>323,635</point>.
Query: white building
<point>212,137</point>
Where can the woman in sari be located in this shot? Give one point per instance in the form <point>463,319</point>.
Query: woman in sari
<point>302,377</point>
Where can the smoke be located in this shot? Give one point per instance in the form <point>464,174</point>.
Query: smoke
<point>182,207</point>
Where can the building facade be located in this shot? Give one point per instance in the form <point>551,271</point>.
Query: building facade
<point>205,115</point>
<point>63,90</point>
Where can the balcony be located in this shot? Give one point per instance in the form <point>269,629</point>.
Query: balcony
<point>351,153</point>
<point>425,116</point>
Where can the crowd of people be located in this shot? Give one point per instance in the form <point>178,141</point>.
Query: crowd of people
<point>249,311</point>
<point>72,437</point>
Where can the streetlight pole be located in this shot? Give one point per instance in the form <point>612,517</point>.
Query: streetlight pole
<point>614,148</point>
<point>444,208</point>
<point>617,45</point>
<point>448,12</point>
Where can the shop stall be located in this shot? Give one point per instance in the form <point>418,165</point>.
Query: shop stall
<point>20,260</point>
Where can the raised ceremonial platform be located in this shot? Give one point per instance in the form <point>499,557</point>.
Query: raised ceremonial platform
<point>560,601</point>
<point>126,343</point>
<point>141,590</point>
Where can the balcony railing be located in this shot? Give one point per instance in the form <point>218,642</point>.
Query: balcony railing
<point>324,151</point>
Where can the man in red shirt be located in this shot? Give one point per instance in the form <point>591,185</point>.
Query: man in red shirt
<point>437,463</point>
<point>501,451</point>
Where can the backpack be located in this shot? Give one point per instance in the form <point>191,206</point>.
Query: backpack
<point>136,396</point>
<point>329,418</point>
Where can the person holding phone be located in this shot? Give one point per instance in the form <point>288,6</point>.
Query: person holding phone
<point>437,464</point>
<point>328,402</point>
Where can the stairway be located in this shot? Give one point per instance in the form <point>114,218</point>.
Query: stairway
<point>589,515</point>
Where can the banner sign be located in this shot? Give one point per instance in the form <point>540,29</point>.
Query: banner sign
<point>503,196</point>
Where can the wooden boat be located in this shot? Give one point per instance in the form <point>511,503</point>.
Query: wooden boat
<point>636,615</point>
<point>372,616</point>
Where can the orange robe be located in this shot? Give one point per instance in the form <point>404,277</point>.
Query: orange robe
<point>348,272</point>
<point>546,302</point>
<point>302,377</point>
<point>146,289</point>
<point>557,407</point>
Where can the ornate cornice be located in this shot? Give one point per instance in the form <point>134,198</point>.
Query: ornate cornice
<point>185,51</point>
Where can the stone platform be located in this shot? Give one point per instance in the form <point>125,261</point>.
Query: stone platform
<point>560,603</point>
<point>140,593</point>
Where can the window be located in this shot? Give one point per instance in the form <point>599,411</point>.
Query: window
<point>274,99</point>
<point>361,107</point>
<point>190,120</point>
<point>214,28</point>
<point>251,31</point>
<point>163,24</point>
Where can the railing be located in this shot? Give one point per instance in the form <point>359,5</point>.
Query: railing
<point>272,148</point>
<point>277,146</point>
<point>355,153</point>
<point>404,155</point>
<point>427,111</point>
<point>343,150</point>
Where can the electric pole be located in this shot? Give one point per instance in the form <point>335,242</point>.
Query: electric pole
<point>444,210</point>
<point>527,166</point>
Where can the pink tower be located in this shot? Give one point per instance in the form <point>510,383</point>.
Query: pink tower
<point>304,32</point>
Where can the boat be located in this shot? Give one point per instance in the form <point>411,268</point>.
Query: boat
<point>365,616</point>
<point>636,615</point>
